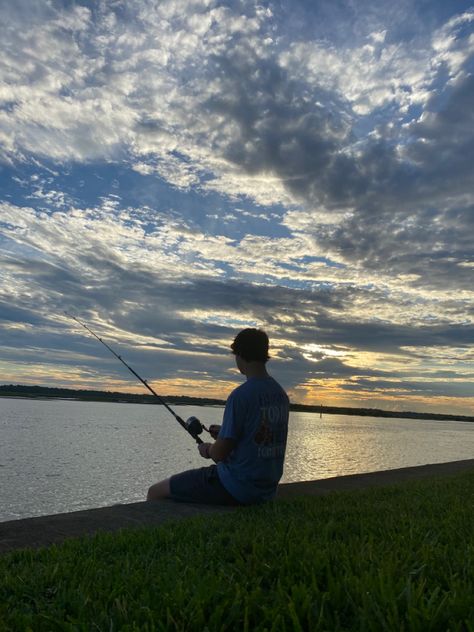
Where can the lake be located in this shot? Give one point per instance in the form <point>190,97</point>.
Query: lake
<point>65,455</point>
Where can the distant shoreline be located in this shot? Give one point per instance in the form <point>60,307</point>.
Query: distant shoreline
<point>44,392</point>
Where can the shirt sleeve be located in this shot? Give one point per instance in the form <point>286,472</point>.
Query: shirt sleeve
<point>233,421</point>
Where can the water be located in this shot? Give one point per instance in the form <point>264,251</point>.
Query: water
<point>59,456</point>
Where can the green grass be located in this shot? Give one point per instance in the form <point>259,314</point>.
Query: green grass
<point>399,558</point>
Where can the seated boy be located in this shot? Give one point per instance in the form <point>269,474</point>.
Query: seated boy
<point>249,447</point>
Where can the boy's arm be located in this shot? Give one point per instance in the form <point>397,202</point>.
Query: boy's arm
<point>228,434</point>
<point>217,451</point>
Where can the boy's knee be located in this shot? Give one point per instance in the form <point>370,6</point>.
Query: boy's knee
<point>149,495</point>
<point>159,491</point>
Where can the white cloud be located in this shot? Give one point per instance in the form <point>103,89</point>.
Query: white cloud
<point>452,46</point>
<point>83,87</point>
<point>377,74</point>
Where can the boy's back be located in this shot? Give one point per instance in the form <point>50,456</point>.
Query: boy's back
<point>256,418</point>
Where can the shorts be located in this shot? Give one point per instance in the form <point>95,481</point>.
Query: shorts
<point>201,485</point>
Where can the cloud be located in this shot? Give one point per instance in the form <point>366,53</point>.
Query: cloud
<point>204,96</point>
<point>456,388</point>
<point>189,318</point>
<point>326,164</point>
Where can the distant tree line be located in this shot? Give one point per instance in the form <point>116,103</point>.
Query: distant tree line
<point>376,412</point>
<point>10,390</point>
<point>17,390</point>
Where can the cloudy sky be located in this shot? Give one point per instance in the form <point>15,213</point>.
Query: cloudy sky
<point>174,171</point>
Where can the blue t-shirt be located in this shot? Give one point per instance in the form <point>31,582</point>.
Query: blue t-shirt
<point>256,417</point>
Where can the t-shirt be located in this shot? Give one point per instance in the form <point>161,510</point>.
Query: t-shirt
<point>256,417</point>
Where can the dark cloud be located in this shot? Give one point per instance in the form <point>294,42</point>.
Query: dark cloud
<point>333,367</point>
<point>443,143</point>
<point>140,301</point>
<point>140,304</point>
<point>409,192</point>
<point>410,388</point>
<point>17,314</point>
<point>282,127</point>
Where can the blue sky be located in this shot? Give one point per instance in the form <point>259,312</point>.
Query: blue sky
<point>172,172</point>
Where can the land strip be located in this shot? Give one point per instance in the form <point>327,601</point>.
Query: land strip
<point>43,392</point>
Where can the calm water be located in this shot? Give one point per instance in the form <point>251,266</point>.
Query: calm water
<point>58,456</point>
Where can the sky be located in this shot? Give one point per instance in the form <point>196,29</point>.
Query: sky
<point>172,172</point>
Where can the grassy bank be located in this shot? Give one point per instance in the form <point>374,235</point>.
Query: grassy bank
<point>400,558</point>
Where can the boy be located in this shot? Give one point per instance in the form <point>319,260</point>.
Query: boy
<point>249,447</point>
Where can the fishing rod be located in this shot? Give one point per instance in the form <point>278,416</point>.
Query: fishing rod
<point>191,425</point>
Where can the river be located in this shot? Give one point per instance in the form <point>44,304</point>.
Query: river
<point>65,455</point>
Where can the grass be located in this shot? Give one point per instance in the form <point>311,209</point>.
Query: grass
<point>398,558</point>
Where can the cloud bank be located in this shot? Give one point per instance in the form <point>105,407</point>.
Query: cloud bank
<point>176,171</point>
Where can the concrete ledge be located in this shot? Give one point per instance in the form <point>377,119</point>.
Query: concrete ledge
<point>47,530</point>
<point>373,479</point>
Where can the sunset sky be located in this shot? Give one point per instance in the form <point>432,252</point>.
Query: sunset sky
<point>172,172</point>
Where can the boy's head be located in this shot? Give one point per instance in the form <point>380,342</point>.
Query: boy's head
<point>251,345</point>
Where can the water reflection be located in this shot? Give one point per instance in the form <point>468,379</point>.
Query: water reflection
<point>335,445</point>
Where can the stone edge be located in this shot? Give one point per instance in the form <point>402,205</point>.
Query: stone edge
<point>47,530</point>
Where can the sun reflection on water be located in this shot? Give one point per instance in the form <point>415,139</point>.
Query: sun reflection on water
<point>337,445</point>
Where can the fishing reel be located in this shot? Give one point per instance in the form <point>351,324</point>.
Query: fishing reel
<point>194,426</point>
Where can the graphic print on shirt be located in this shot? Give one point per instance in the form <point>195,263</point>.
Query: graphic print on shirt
<point>271,433</point>
<point>264,433</point>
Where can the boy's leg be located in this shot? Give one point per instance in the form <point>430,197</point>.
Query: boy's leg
<point>200,485</point>
<point>159,491</point>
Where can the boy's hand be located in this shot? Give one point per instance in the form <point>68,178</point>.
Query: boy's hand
<point>204,450</point>
<point>214,430</point>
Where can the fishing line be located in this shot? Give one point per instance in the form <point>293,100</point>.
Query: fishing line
<point>191,425</point>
